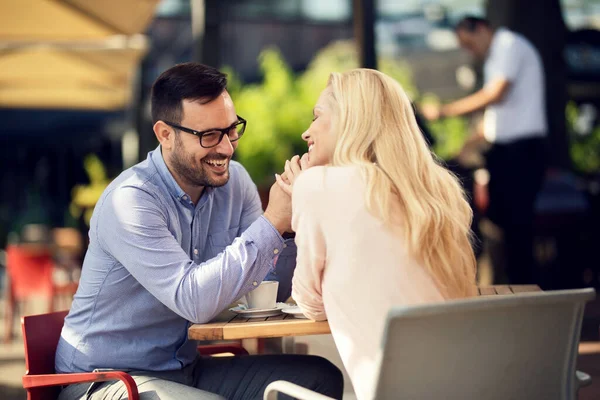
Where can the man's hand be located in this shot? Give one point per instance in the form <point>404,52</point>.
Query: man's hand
<point>293,168</point>
<point>279,209</point>
<point>431,111</point>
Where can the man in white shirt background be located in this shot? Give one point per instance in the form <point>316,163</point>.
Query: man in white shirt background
<point>513,96</point>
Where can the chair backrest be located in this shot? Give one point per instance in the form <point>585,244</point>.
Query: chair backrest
<point>30,270</point>
<point>40,337</point>
<point>494,347</point>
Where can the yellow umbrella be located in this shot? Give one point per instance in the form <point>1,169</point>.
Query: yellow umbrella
<point>73,19</point>
<point>65,76</point>
<point>76,54</point>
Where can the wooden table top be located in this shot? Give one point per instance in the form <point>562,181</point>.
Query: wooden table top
<point>230,326</point>
<point>507,289</point>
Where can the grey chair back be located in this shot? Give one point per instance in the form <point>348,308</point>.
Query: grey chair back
<point>521,346</point>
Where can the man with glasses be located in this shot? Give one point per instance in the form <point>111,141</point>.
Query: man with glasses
<point>173,241</point>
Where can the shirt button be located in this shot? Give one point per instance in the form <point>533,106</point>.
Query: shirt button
<point>184,197</point>
<point>276,251</point>
<point>196,251</point>
<point>284,245</point>
<point>254,283</point>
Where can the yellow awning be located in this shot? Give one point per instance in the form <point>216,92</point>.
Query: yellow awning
<point>75,54</point>
<point>73,19</point>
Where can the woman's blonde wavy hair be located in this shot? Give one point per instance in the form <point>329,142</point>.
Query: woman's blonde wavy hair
<point>377,130</point>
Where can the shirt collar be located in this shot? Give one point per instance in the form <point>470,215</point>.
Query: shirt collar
<point>157,159</point>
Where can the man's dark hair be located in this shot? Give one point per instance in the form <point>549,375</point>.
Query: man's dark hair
<point>188,81</point>
<point>470,23</point>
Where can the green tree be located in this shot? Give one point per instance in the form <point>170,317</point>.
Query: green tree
<point>85,197</point>
<point>584,149</point>
<point>279,108</point>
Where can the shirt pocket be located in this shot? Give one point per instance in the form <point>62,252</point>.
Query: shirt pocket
<point>219,240</point>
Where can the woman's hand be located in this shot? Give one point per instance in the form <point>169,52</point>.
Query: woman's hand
<point>293,168</point>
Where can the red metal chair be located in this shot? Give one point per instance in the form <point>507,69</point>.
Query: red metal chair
<point>40,337</point>
<point>30,273</point>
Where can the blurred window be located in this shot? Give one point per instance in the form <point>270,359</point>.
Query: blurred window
<point>173,8</point>
<point>579,14</point>
<point>420,25</point>
<point>311,10</point>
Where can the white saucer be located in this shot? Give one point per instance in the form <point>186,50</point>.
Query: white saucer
<point>294,311</point>
<point>258,312</point>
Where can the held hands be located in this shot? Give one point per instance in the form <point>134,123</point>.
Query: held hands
<point>293,168</point>
<point>279,209</point>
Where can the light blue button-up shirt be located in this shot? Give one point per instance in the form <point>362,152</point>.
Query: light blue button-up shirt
<point>156,263</point>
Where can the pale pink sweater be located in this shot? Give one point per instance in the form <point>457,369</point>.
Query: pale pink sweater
<point>351,269</point>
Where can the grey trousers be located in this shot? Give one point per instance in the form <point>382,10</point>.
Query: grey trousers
<point>208,378</point>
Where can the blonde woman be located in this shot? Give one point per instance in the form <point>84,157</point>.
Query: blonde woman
<point>378,221</point>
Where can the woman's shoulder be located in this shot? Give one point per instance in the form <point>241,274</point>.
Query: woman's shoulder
<point>327,178</point>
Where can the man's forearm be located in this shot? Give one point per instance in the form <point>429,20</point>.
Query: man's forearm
<point>198,292</point>
<point>467,105</point>
<point>238,269</point>
<point>491,93</point>
<point>277,223</point>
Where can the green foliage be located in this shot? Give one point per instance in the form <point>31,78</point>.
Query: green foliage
<point>449,133</point>
<point>85,197</point>
<point>35,211</point>
<point>584,150</point>
<point>279,108</point>
<point>275,115</point>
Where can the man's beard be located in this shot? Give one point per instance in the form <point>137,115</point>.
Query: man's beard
<point>183,165</point>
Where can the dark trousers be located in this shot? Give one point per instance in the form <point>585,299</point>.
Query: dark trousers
<point>244,377</point>
<point>516,175</point>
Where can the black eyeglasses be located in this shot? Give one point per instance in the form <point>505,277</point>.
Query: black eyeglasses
<point>212,137</point>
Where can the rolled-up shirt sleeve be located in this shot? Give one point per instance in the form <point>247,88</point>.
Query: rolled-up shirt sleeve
<point>132,227</point>
<point>310,241</point>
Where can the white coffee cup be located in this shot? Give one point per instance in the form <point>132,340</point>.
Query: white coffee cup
<point>264,296</point>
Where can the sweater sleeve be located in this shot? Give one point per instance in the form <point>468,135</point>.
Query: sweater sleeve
<point>311,258</point>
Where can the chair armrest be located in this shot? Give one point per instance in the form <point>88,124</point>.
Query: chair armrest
<point>583,379</point>
<point>210,349</point>
<point>293,390</point>
<point>33,381</point>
